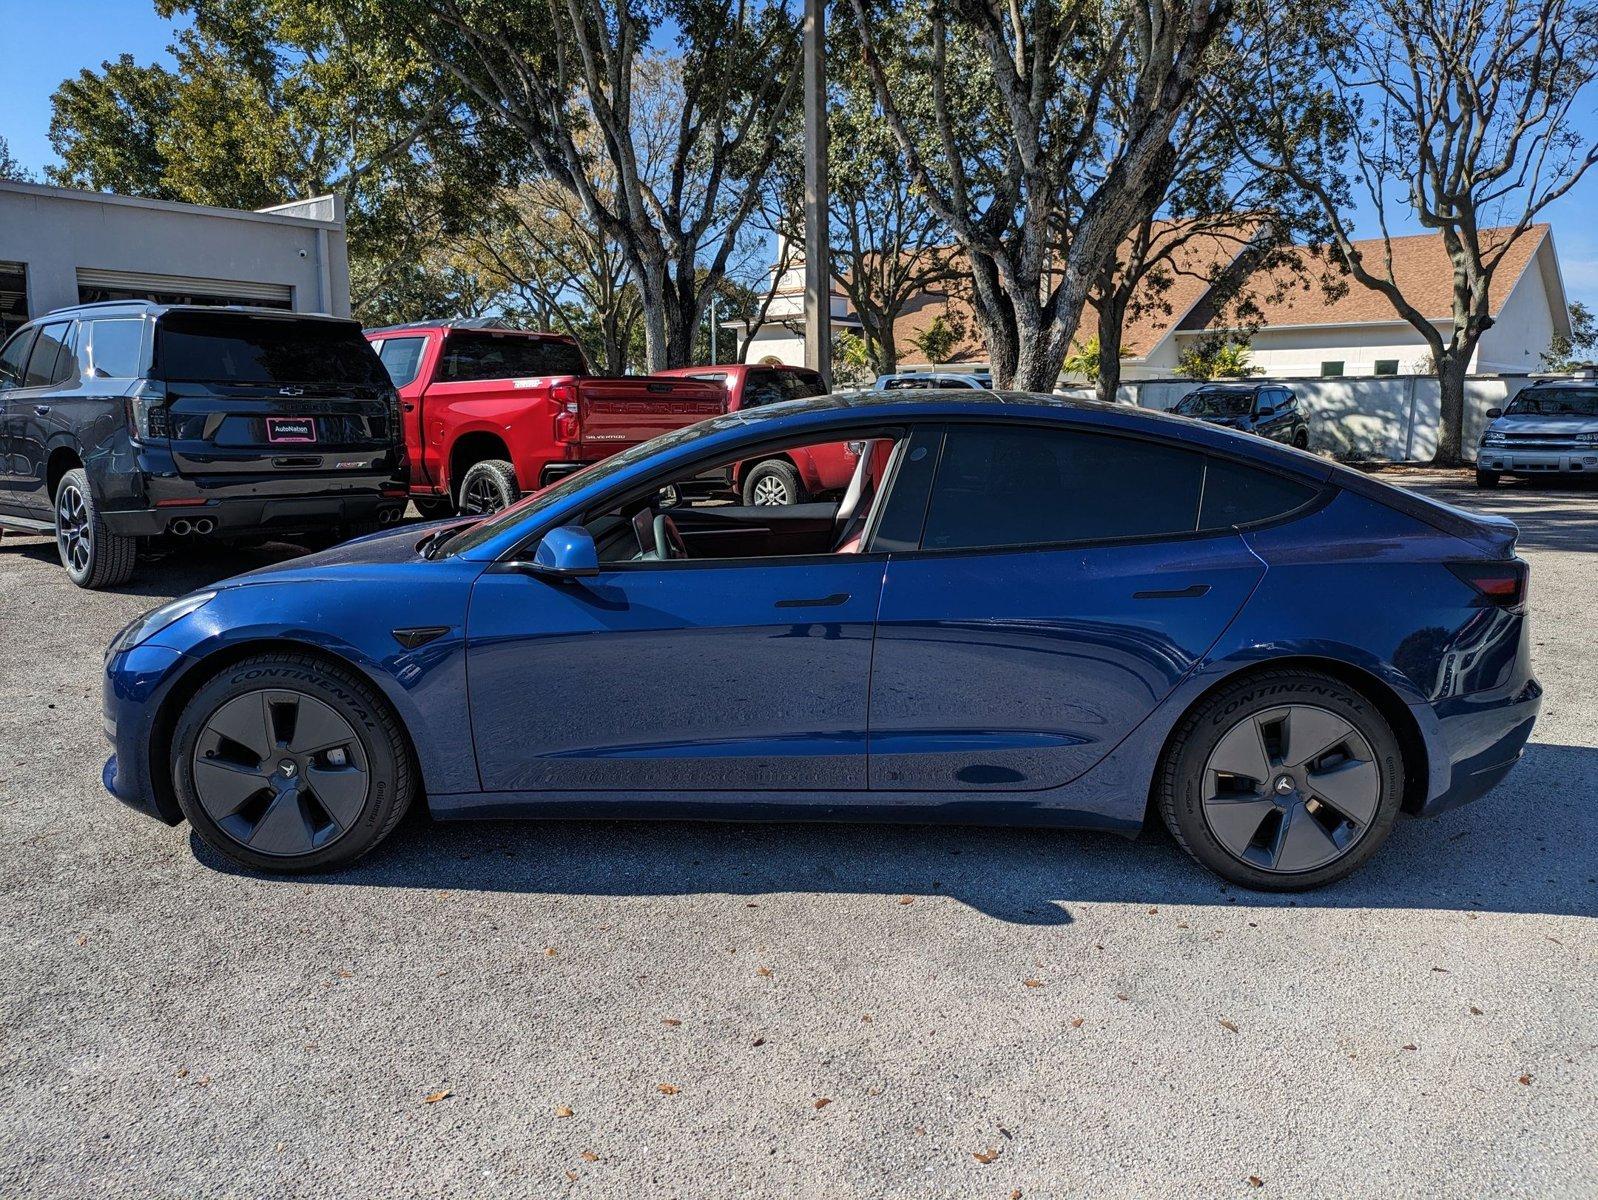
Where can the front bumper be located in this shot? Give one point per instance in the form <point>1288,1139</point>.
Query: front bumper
<point>1510,460</point>
<point>134,684</point>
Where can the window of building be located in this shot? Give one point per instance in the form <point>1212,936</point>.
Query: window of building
<point>1387,366</point>
<point>1019,487</point>
<point>13,298</point>
<point>1331,369</point>
<point>403,358</point>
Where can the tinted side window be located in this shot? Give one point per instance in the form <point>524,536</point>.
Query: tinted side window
<point>14,354</point>
<point>762,387</point>
<point>48,350</point>
<point>115,347</point>
<point>403,358</point>
<point>1239,495</point>
<point>1027,486</point>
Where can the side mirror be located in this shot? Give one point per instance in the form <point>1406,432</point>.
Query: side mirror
<point>1266,410</point>
<point>1494,413</point>
<point>568,552</point>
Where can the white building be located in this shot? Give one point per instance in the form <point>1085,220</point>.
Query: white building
<point>61,246</point>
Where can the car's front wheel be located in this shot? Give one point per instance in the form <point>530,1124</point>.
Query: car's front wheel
<point>1488,479</point>
<point>1283,781</point>
<point>285,762</point>
<point>93,556</point>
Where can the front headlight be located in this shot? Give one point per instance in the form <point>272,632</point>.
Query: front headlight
<point>157,619</point>
<point>1493,438</point>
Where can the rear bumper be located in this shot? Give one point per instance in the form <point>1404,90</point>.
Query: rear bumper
<point>270,503</point>
<point>1480,737</point>
<point>1507,460</point>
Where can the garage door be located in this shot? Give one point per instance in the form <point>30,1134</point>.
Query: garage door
<point>94,285</point>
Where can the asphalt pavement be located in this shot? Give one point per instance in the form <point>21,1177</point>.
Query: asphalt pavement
<point>647,1009</point>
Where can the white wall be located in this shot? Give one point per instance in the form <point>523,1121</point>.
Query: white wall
<point>54,231</point>
<point>1524,327</point>
<point>1385,418</point>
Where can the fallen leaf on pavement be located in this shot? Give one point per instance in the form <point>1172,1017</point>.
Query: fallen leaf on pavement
<point>1411,1046</point>
<point>572,1175</point>
<point>907,899</point>
<point>672,1021</point>
<point>666,1089</point>
<point>563,1111</point>
<point>1076,1022</point>
<point>764,972</point>
<point>1255,1181</point>
<point>1525,1080</point>
<point>823,1102</point>
<point>550,951</point>
<point>1122,996</point>
<point>758,1042</point>
<point>1225,1024</point>
<point>435,1097</point>
<point>986,1156</point>
<point>1474,1011</point>
<point>1034,983</point>
<point>589,1156</point>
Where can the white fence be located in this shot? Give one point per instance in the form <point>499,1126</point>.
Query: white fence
<point>1385,418</point>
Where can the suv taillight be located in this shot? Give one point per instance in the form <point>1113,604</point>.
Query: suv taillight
<point>149,419</point>
<point>1498,584</point>
<point>396,427</point>
<point>567,427</point>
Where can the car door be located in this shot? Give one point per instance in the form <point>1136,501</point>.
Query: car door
<point>13,373</point>
<point>1059,593</point>
<point>680,677</point>
<point>31,416</point>
<point>403,357</point>
<point>1278,424</point>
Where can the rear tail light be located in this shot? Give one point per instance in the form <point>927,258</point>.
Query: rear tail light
<point>567,427</point>
<point>396,428</point>
<point>1498,584</point>
<point>149,419</point>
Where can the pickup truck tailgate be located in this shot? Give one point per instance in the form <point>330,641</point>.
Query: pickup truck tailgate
<point>619,412</point>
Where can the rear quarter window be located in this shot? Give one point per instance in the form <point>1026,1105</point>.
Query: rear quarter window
<point>114,348</point>
<point>1239,495</point>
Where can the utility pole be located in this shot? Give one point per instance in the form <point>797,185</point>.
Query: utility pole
<point>818,272</point>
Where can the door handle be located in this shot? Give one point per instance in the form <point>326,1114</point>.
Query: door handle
<point>42,409</point>
<point>1191,592</point>
<point>410,406</point>
<point>831,601</point>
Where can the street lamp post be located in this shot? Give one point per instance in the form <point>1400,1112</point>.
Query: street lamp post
<point>818,289</point>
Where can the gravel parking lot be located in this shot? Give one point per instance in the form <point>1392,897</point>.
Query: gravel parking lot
<point>679,1010</point>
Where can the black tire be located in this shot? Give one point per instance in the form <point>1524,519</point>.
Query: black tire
<point>487,487</point>
<point>1185,781</point>
<point>1301,439</point>
<point>434,507</point>
<point>775,481</point>
<point>1488,479</point>
<point>349,826</point>
<point>93,556</point>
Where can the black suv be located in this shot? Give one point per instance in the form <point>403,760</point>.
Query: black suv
<point>1268,409</point>
<point>129,420</point>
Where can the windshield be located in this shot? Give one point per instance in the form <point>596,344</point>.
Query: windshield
<point>1555,402</point>
<point>1215,404</point>
<point>535,502</point>
<point>233,348</point>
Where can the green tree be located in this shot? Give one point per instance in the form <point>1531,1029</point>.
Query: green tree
<point>10,168</point>
<point>270,100</point>
<point>940,339</point>
<point>1566,353</point>
<point>851,360</point>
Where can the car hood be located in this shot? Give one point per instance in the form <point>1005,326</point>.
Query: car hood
<point>389,547</point>
<point>1567,426</point>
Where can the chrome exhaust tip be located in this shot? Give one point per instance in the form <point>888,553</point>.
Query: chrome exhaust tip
<point>204,525</point>
<point>180,527</point>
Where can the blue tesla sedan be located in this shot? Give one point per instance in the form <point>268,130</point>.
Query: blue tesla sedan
<point>1022,610</point>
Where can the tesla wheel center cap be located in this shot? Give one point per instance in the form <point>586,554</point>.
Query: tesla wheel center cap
<point>288,767</point>
<point>1285,785</point>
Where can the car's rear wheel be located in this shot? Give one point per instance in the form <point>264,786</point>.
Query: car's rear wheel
<point>775,481</point>
<point>487,487</point>
<point>1283,781</point>
<point>93,556</point>
<point>1488,479</point>
<point>284,762</point>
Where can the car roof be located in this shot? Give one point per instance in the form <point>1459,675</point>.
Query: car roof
<point>469,325</point>
<point>149,308</point>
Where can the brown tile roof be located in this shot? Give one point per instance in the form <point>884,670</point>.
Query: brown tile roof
<point>1421,268</point>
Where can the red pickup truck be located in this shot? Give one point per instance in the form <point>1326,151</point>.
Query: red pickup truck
<point>796,476</point>
<point>491,413</point>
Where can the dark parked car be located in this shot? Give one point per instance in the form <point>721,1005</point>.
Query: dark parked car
<point>1023,610</point>
<point>1549,428</point>
<point>1267,409</point>
<point>128,420</point>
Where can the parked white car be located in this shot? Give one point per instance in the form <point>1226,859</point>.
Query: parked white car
<point>1549,428</point>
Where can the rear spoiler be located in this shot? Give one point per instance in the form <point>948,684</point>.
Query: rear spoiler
<point>1493,535</point>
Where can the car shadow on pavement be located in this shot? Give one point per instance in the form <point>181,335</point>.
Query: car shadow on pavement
<point>1525,848</point>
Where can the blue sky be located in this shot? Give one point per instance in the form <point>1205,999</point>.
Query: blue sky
<point>47,42</point>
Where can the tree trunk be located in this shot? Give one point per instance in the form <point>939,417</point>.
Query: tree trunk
<point>1112,315</point>
<point>1451,368</point>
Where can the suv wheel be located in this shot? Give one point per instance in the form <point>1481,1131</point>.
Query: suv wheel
<point>284,762</point>
<point>774,481</point>
<point>488,486</point>
<point>93,556</point>
<point>1301,439</point>
<point>1487,479</point>
<point>1282,782</point>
